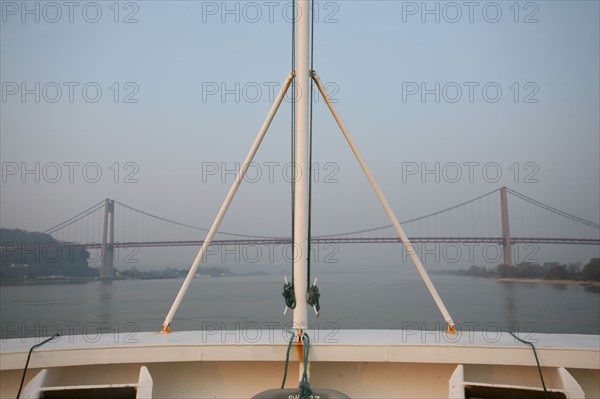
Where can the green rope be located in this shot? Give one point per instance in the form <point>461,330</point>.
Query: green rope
<point>310,162</point>
<point>288,289</point>
<point>313,298</point>
<point>536,360</point>
<point>293,129</point>
<point>312,35</point>
<point>287,360</point>
<point>305,392</point>
<point>288,295</point>
<point>29,356</point>
<point>304,386</point>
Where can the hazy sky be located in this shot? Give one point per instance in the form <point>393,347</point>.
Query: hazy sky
<point>154,95</point>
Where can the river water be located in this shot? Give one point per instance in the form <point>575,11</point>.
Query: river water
<point>367,299</point>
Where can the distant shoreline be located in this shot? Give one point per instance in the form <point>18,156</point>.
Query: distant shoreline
<point>39,281</point>
<point>83,280</point>
<point>548,281</point>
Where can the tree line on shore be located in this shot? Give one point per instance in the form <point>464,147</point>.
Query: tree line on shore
<point>172,272</point>
<point>32,255</point>
<point>550,271</point>
<point>25,254</point>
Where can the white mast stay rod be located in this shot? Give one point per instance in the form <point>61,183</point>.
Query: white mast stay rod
<point>238,180</point>
<point>407,245</point>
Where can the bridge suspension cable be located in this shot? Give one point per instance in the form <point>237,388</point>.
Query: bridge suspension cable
<point>450,225</point>
<point>75,218</point>
<point>409,220</point>
<point>187,225</point>
<point>552,209</point>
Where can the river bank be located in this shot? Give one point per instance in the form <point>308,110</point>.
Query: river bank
<point>549,281</point>
<point>46,280</point>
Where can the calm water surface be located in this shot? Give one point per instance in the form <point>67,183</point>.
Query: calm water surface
<point>389,299</point>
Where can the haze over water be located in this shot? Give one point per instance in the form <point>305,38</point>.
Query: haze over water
<point>383,298</point>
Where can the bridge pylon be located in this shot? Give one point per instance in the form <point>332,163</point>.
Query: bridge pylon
<point>108,240</point>
<point>506,244</point>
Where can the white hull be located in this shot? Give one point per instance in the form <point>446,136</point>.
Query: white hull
<point>359,363</point>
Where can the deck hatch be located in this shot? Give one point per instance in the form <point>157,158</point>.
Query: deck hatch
<point>487,392</point>
<point>91,393</point>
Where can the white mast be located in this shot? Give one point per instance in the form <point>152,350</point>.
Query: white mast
<point>302,167</point>
<point>301,105</point>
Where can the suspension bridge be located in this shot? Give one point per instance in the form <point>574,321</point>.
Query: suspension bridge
<point>484,219</point>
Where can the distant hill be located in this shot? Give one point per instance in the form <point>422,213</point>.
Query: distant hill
<point>32,254</point>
